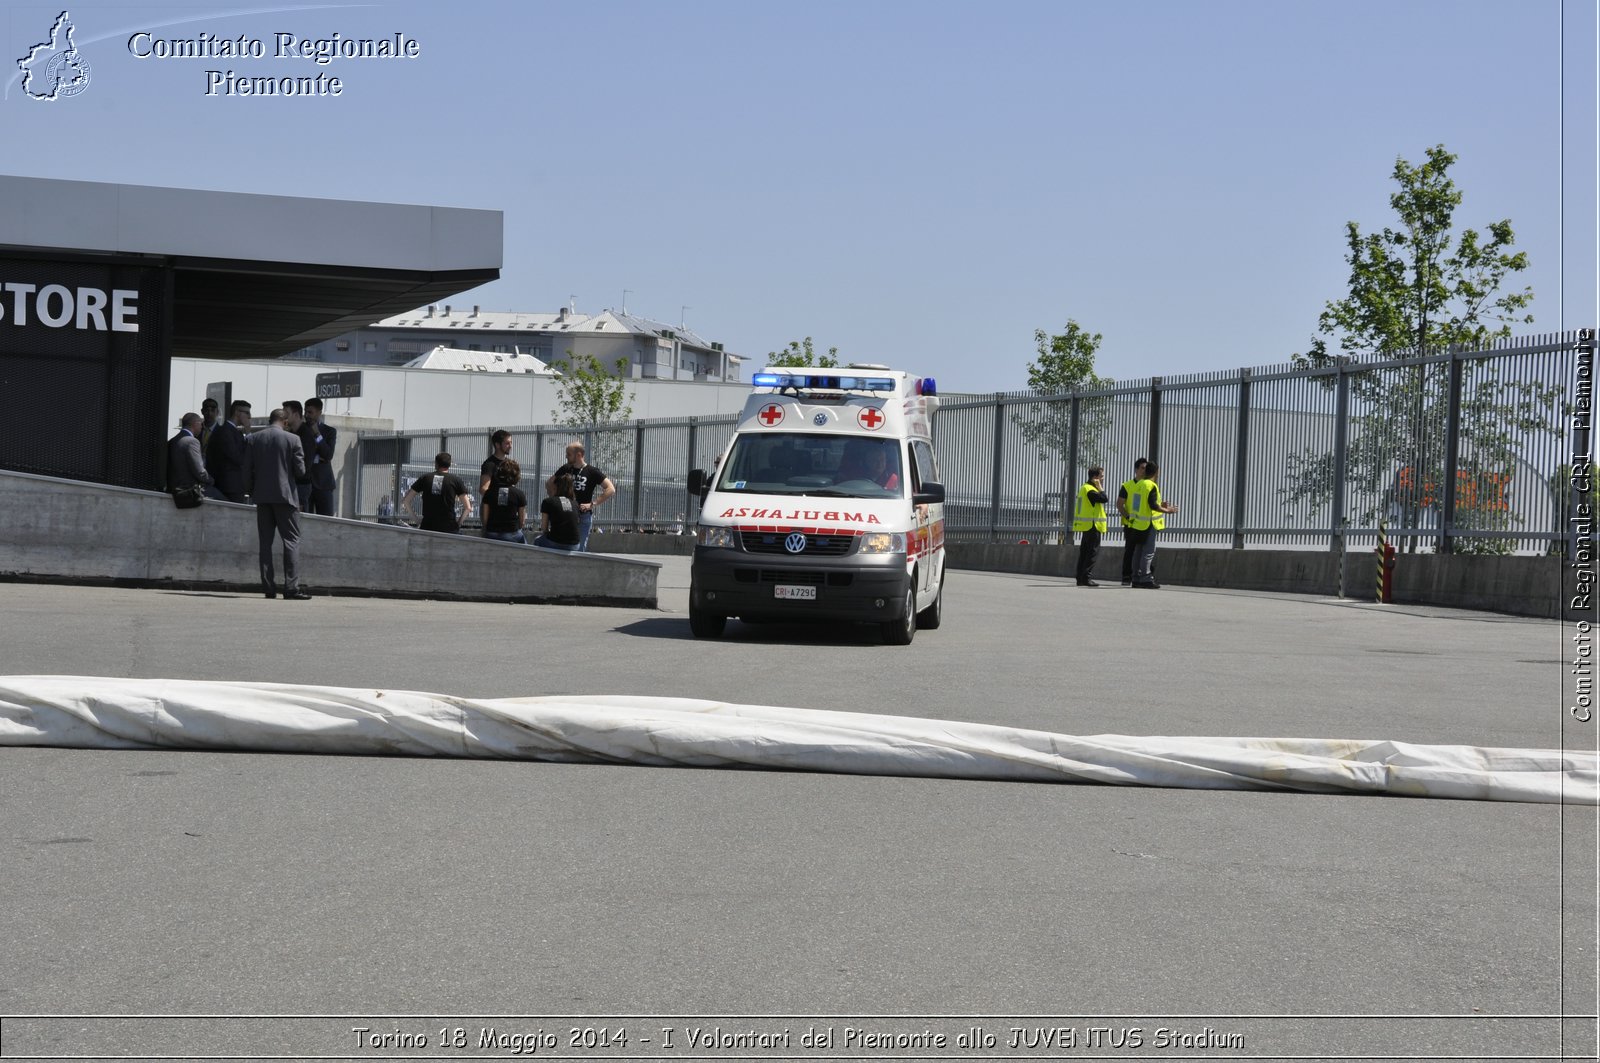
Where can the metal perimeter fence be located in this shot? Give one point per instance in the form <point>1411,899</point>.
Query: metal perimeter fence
<point>1454,452</point>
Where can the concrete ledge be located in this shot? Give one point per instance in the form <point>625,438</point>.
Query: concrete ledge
<point>67,531</point>
<point>641,543</point>
<point>1521,586</point>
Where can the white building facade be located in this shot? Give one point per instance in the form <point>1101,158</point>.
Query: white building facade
<point>649,350</point>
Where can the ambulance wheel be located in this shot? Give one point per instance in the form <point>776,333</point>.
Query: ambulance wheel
<point>901,632</point>
<point>933,616</point>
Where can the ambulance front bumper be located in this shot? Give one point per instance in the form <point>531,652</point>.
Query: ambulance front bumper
<point>859,587</point>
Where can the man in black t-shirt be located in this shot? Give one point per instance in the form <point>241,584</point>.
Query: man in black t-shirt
<point>500,450</point>
<point>440,490</point>
<point>586,480</point>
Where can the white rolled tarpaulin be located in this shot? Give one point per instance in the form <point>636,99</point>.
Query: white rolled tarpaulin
<point>99,713</point>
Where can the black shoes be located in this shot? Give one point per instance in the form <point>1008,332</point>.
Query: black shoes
<point>1087,583</point>
<point>270,594</point>
<point>1152,586</point>
<point>296,596</point>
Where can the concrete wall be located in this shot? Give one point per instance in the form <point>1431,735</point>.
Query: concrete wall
<point>78,532</point>
<point>641,543</point>
<point>1522,586</point>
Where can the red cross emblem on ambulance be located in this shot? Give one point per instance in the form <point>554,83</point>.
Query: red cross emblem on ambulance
<point>870,418</point>
<point>770,414</point>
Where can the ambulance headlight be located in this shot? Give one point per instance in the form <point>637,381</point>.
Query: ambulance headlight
<point>712,536</point>
<point>883,543</point>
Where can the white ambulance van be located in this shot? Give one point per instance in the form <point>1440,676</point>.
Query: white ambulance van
<point>826,506</point>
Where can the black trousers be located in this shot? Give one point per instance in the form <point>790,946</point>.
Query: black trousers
<point>1132,540</point>
<point>321,502</point>
<point>284,519</point>
<point>1088,550</point>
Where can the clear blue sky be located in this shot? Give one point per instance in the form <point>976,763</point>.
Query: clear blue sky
<point>921,184</point>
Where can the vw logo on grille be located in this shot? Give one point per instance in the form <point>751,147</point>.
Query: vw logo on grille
<point>820,419</point>
<point>795,543</point>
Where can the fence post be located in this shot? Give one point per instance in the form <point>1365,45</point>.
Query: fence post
<point>1341,441</point>
<point>1069,478</point>
<point>994,493</point>
<point>1240,453</point>
<point>691,505</point>
<point>638,474</point>
<point>395,492</point>
<point>1155,419</point>
<point>1452,445</point>
<point>361,469</point>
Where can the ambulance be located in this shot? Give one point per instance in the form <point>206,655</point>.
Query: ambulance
<point>826,506</point>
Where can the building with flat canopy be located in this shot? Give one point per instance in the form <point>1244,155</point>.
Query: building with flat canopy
<point>101,285</point>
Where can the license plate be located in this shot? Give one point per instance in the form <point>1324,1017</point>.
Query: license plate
<point>784,590</point>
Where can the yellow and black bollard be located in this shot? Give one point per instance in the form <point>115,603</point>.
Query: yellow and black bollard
<point>1385,554</point>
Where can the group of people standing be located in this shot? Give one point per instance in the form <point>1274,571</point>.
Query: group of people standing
<point>285,468</point>
<point>1144,515</point>
<point>223,457</point>
<point>566,513</point>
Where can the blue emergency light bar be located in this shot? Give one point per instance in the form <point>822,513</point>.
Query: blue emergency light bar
<point>823,383</point>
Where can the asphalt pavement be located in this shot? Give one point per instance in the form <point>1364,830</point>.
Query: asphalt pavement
<point>214,884</point>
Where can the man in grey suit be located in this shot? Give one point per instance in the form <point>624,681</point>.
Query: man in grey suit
<point>185,466</point>
<point>275,461</point>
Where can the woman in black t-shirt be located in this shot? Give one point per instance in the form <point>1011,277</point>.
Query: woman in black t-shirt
<point>505,507</point>
<point>558,516</point>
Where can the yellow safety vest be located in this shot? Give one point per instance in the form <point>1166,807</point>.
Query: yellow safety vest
<point>1088,514</point>
<point>1139,504</point>
<point>1127,489</point>
<point>1158,519</point>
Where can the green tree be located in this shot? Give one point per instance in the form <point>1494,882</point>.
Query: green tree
<point>1416,289</point>
<point>1066,362</point>
<point>588,396</point>
<point>800,355</point>
<point>1065,366</point>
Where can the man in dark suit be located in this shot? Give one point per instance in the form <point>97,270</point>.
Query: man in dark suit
<point>225,454</point>
<point>319,439</point>
<point>294,422</point>
<point>185,467</point>
<point>274,461</point>
<point>210,417</point>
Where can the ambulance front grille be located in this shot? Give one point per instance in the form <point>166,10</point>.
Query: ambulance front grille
<point>816,545</point>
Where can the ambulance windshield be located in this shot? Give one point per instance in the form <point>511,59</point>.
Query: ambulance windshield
<point>793,463</point>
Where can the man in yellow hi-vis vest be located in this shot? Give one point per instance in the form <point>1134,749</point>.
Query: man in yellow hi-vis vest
<point>1147,512</point>
<point>1089,518</point>
<point>1131,537</point>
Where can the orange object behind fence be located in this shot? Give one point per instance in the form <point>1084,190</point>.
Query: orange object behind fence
<point>1484,491</point>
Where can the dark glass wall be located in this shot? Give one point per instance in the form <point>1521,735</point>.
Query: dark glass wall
<point>84,369</point>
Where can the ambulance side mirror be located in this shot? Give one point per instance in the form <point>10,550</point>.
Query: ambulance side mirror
<point>698,483</point>
<point>931,492</point>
